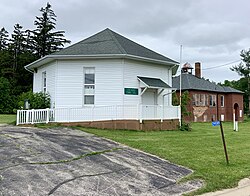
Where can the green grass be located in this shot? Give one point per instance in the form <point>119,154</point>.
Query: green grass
<point>7,118</point>
<point>200,149</point>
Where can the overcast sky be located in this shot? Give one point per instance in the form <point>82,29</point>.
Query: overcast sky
<point>212,32</point>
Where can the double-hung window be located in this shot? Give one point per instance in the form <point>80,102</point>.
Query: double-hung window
<point>44,82</point>
<point>89,86</point>
<point>222,100</point>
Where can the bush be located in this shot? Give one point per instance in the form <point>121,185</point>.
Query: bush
<point>36,100</point>
<point>185,127</point>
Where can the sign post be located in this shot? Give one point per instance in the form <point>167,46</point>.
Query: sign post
<point>217,123</point>
<point>224,142</point>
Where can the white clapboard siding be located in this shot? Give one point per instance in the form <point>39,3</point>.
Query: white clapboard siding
<point>132,69</point>
<point>69,84</point>
<point>65,81</point>
<point>108,82</point>
<point>50,78</point>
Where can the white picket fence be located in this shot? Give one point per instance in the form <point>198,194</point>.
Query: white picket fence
<point>98,113</point>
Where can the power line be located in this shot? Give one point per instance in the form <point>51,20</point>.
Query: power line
<point>223,65</point>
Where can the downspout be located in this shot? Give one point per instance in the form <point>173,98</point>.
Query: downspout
<point>168,94</point>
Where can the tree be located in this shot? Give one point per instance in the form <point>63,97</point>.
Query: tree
<point>17,44</point>
<point>45,39</point>
<point>240,85</point>
<point>3,39</point>
<point>21,55</point>
<point>21,48</point>
<point>6,99</point>
<point>243,69</point>
<point>185,102</point>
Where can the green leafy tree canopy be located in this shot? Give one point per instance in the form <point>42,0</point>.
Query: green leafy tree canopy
<point>243,69</point>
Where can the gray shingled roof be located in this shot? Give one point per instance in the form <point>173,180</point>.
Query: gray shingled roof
<point>107,42</point>
<point>191,82</point>
<point>154,82</point>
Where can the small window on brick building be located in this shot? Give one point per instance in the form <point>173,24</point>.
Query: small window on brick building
<point>222,100</point>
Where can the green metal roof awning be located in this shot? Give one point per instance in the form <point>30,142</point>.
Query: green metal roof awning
<point>153,82</point>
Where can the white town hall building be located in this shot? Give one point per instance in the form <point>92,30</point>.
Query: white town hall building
<point>107,81</point>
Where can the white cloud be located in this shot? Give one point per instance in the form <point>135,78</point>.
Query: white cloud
<point>213,32</point>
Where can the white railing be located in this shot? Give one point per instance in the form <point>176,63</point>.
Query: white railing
<point>98,113</point>
<point>35,116</point>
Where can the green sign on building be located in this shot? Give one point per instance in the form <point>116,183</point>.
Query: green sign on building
<point>130,91</point>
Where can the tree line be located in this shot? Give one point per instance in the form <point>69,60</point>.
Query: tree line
<point>243,84</point>
<point>22,47</point>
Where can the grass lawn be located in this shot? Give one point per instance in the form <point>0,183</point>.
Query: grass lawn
<point>200,149</point>
<point>7,118</point>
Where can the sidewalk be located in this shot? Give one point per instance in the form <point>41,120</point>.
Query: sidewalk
<point>243,189</point>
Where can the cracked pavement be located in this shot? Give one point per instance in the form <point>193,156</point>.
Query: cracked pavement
<point>63,161</point>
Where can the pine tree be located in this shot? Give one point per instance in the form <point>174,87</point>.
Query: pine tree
<point>47,40</point>
<point>17,44</point>
<point>3,39</point>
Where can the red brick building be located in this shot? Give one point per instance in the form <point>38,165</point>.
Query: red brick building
<point>209,101</point>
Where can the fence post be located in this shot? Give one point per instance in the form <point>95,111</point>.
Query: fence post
<point>17,117</point>
<point>47,115</point>
<point>32,117</point>
<point>27,116</point>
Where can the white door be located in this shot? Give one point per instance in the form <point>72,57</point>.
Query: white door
<point>149,97</point>
<point>149,102</point>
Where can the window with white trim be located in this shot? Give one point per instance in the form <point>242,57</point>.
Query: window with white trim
<point>44,82</point>
<point>222,100</point>
<point>89,86</point>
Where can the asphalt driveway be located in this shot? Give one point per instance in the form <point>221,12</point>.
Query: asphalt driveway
<point>63,161</point>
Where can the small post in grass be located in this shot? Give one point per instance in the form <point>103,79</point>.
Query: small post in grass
<point>224,142</point>
<point>216,123</point>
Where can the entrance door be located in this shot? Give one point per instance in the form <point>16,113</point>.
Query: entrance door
<point>149,102</point>
<point>149,97</point>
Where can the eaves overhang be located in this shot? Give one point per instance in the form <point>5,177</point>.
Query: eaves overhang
<point>50,58</point>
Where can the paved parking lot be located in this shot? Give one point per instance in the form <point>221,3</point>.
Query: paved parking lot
<point>64,161</point>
